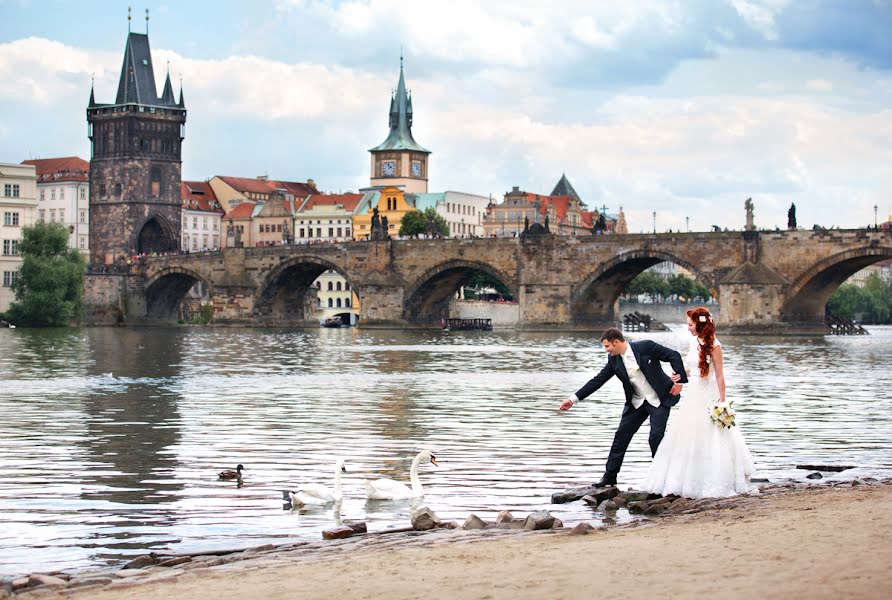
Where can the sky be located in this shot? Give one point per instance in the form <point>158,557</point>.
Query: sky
<point>681,110</point>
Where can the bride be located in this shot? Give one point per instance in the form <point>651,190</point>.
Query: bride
<point>697,458</point>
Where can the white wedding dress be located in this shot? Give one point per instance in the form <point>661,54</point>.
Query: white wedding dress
<point>698,459</point>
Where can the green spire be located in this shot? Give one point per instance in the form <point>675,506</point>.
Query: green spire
<point>400,137</point>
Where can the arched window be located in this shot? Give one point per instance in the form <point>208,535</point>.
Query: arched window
<point>338,286</point>
<point>330,303</point>
<point>347,286</point>
<point>338,303</point>
<point>347,302</point>
<point>330,286</point>
<point>318,285</point>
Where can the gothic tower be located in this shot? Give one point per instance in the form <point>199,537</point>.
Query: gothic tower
<point>135,162</point>
<point>399,160</point>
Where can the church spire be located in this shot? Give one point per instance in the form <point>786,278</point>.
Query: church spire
<point>400,137</point>
<point>167,94</point>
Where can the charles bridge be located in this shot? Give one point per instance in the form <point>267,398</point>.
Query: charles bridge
<point>764,280</point>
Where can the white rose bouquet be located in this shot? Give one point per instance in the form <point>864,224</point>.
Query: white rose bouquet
<point>722,414</point>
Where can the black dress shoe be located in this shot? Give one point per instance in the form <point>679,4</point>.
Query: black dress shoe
<point>605,481</point>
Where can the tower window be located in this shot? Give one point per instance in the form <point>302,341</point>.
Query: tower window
<point>155,181</point>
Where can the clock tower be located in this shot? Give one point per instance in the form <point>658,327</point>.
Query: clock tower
<point>399,161</point>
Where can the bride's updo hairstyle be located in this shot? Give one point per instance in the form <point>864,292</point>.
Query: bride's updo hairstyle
<point>705,327</point>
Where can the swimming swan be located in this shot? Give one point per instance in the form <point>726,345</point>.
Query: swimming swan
<point>317,493</point>
<point>388,489</point>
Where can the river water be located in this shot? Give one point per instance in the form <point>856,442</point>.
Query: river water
<point>111,439</point>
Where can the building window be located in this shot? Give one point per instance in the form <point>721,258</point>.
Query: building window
<point>338,286</point>
<point>318,285</point>
<point>347,232</point>
<point>340,232</point>
<point>52,215</point>
<point>11,219</point>
<point>53,194</point>
<point>10,247</point>
<point>347,286</point>
<point>42,217</point>
<point>155,181</point>
<point>330,303</point>
<point>330,286</point>
<point>331,232</point>
<point>117,190</point>
<point>338,303</point>
<point>83,216</point>
<point>82,242</point>
<point>43,194</point>
<point>347,302</point>
<point>204,223</point>
<point>10,278</point>
<point>195,223</point>
<point>61,215</point>
<point>83,194</point>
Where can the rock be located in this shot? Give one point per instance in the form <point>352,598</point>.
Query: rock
<point>337,533</point>
<point>856,482</point>
<point>607,505</point>
<point>619,501</point>
<point>541,519</point>
<point>514,524</point>
<point>637,507</point>
<point>680,504</point>
<point>78,583</point>
<point>448,525</point>
<point>571,495</point>
<point>758,480</point>
<point>356,526</point>
<point>38,579</point>
<point>558,524</point>
<point>474,522</point>
<point>19,584</point>
<point>172,562</point>
<point>504,517</point>
<point>146,560</point>
<point>600,495</point>
<point>582,529</point>
<point>814,475</point>
<point>125,573</point>
<point>424,519</point>
<point>657,509</point>
<point>637,496</point>
<point>826,468</point>
<point>665,500</point>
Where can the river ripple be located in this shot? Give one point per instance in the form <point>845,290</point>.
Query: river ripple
<point>111,438</point>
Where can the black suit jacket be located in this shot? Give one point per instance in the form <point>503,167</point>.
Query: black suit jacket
<point>649,355</point>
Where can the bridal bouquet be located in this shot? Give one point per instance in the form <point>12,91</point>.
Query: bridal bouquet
<point>722,414</point>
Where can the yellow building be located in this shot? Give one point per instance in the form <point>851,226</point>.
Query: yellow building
<point>391,203</point>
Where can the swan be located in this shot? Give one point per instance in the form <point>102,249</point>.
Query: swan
<point>388,489</point>
<point>230,474</point>
<point>317,493</point>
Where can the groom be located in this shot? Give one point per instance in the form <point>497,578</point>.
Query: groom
<point>649,392</point>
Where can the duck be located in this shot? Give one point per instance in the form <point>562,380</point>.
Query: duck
<point>389,489</point>
<point>316,493</point>
<point>230,474</point>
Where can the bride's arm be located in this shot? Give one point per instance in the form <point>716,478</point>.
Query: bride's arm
<point>719,371</point>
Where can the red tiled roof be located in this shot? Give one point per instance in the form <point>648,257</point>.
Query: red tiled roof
<point>348,201</point>
<point>588,218</point>
<point>242,211</point>
<point>266,186</point>
<point>198,195</point>
<point>68,168</point>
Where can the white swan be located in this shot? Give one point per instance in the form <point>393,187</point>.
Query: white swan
<point>388,489</point>
<point>317,493</point>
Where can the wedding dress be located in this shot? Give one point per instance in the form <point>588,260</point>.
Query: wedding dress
<point>697,458</point>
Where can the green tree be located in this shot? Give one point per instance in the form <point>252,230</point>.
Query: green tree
<point>871,304</point>
<point>427,221</point>
<point>50,285</point>
<point>648,283</point>
<point>481,281</point>
<point>682,287</point>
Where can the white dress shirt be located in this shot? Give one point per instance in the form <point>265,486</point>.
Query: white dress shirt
<point>641,389</point>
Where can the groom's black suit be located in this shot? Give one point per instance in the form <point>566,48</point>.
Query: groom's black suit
<point>649,355</point>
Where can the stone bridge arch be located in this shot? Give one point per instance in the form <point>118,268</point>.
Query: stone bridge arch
<point>166,289</point>
<point>806,298</point>
<point>427,298</point>
<point>281,298</point>
<point>593,299</point>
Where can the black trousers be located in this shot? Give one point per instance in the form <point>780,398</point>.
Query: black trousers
<point>629,423</point>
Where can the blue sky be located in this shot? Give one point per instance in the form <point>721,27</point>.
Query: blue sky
<point>682,108</point>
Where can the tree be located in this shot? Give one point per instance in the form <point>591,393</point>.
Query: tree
<point>50,285</point>
<point>648,283</point>
<point>481,281</point>
<point>428,222</point>
<point>870,304</point>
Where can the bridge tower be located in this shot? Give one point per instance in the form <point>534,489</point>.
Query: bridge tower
<point>399,160</point>
<point>135,162</point>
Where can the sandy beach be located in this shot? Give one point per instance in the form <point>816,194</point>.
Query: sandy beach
<point>817,543</point>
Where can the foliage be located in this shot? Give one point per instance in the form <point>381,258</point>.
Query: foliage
<point>871,304</point>
<point>683,288</point>
<point>418,222</point>
<point>50,286</point>
<point>205,315</point>
<point>481,281</point>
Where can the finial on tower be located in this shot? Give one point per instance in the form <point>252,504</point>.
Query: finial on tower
<point>147,21</point>
<point>129,9</point>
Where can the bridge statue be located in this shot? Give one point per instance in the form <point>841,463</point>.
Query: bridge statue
<point>791,217</point>
<point>748,205</point>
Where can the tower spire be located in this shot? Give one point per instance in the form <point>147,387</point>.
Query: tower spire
<point>147,21</point>
<point>129,17</point>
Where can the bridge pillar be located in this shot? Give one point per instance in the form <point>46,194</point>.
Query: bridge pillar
<point>381,305</point>
<point>544,306</point>
<point>751,297</point>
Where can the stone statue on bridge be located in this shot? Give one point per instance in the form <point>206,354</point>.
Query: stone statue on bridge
<point>748,205</point>
<point>791,217</point>
<point>379,228</point>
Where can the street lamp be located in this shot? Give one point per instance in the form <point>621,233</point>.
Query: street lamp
<point>655,221</point>
<point>687,223</point>
<point>875,216</point>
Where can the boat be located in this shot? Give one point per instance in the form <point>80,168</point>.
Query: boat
<point>468,325</point>
<point>332,322</point>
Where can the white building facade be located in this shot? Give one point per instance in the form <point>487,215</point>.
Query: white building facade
<point>202,217</point>
<point>18,205</point>
<point>463,212</point>
<point>63,191</point>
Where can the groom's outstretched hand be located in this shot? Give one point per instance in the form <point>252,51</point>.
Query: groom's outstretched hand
<point>566,404</point>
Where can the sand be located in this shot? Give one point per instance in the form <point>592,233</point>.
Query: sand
<point>817,543</point>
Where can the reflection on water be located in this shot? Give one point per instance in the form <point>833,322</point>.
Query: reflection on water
<point>112,439</point>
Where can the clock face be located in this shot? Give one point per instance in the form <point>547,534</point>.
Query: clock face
<point>416,168</point>
<point>388,167</point>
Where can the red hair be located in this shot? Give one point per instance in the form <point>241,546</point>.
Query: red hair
<point>705,328</point>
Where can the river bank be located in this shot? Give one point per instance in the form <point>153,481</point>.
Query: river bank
<point>817,541</point>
